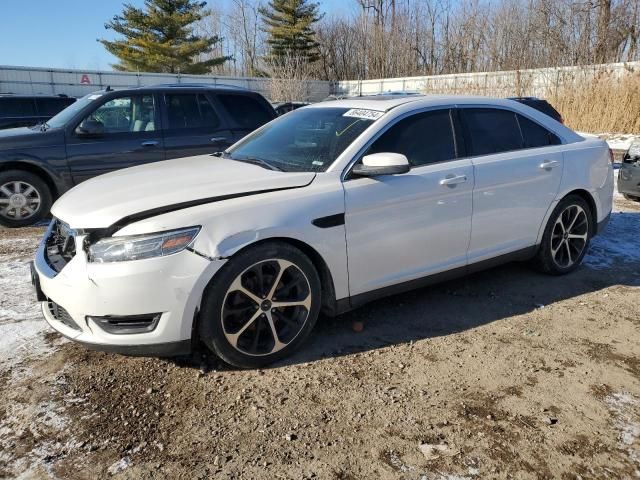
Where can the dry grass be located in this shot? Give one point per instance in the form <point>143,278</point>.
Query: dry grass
<point>593,99</point>
<point>606,103</point>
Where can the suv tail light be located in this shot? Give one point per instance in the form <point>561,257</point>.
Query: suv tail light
<point>561,120</point>
<point>611,156</point>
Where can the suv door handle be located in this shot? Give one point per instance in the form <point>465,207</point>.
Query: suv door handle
<point>218,139</point>
<point>453,180</point>
<point>150,143</point>
<point>549,164</point>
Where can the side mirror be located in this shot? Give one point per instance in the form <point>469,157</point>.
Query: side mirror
<point>90,128</point>
<point>385,163</point>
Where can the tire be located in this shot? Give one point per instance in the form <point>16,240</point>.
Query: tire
<point>633,198</point>
<point>559,253</point>
<point>25,198</point>
<point>240,306</point>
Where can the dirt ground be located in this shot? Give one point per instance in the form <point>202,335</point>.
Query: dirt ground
<point>504,374</point>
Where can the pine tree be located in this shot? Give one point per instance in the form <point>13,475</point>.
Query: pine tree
<point>289,26</point>
<point>161,38</point>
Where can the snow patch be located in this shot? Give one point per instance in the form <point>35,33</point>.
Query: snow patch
<point>617,244</point>
<point>624,406</point>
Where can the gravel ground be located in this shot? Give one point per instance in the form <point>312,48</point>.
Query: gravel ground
<point>503,374</point>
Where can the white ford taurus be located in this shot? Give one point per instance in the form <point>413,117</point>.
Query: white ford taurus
<point>322,209</point>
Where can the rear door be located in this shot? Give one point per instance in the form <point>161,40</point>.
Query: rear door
<point>518,168</point>
<point>194,125</point>
<point>131,136</point>
<point>246,112</point>
<point>403,227</point>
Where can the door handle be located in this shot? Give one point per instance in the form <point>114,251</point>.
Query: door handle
<point>218,139</point>
<point>452,180</point>
<point>150,143</point>
<point>549,164</point>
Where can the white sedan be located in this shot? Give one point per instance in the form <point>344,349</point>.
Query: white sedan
<point>323,209</point>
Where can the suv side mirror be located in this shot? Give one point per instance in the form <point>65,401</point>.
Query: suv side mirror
<point>385,163</point>
<point>90,128</point>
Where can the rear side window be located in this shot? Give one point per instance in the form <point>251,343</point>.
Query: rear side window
<point>423,138</point>
<point>17,107</point>
<point>190,111</point>
<point>246,111</point>
<point>535,135</point>
<point>51,106</point>
<point>491,131</point>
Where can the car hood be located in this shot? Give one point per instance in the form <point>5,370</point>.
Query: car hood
<point>24,137</point>
<point>149,190</point>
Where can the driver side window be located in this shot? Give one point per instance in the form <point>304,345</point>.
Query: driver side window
<point>125,114</point>
<point>423,138</point>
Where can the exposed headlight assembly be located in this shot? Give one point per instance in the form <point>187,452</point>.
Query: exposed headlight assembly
<point>138,247</point>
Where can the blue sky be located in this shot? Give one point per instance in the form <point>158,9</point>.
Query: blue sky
<point>63,33</point>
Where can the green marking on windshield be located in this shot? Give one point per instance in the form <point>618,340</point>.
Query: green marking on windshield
<point>347,127</point>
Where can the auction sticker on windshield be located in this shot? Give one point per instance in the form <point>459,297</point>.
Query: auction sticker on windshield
<point>363,113</point>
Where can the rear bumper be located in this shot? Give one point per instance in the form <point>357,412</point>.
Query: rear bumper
<point>602,224</point>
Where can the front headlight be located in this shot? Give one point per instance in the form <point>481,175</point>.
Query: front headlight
<point>137,247</point>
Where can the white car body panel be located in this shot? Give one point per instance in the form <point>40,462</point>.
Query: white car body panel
<point>402,227</point>
<point>397,228</point>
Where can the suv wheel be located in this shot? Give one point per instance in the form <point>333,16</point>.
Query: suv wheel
<point>566,237</point>
<point>261,305</point>
<point>24,198</point>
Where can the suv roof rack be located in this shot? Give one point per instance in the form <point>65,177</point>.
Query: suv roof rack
<point>189,85</point>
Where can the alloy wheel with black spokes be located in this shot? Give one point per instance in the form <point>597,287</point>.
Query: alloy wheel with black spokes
<point>566,237</point>
<point>267,301</point>
<point>25,198</point>
<point>569,236</point>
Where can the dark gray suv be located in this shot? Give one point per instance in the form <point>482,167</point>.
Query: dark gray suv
<point>109,130</point>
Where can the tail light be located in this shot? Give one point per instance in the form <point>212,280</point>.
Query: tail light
<point>611,156</point>
<point>561,120</point>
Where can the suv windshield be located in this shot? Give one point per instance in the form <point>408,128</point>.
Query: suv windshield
<point>305,140</point>
<point>68,113</point>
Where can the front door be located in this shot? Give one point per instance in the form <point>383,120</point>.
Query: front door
<point>407,226</point>
<point>128,135</point>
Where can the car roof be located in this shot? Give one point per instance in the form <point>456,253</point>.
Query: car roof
<point>385,103</point>
<point>35,95</point>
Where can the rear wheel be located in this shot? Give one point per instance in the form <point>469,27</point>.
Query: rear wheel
<point>261,305</point>
<point>566,237</point>
<point>25,198</point>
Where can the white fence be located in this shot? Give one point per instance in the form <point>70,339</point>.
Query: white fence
<point>535,82</point>
<point>77,83</point>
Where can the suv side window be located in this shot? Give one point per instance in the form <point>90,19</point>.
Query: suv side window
<point>48,107</point>
<point>17,107</point>
<point>126,114</point>
<point>190,111</point>
<point>245,111</point>
<point>535,135</point>
<point>423,138</point>
<point>491,130</point>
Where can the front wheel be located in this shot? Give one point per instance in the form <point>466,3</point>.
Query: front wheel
<point>566,237</point>
<point>25,198</point>
<point>261,305</point>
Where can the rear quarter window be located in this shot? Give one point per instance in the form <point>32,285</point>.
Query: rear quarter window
<point>246,111</point>
<point>17,107</point>
<point>535,135</point>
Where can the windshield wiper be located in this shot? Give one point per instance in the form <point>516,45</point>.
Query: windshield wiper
<point>256,161</point>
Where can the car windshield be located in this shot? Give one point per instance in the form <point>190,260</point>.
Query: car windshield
<point>305,140</point>
<point>61,119</point>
